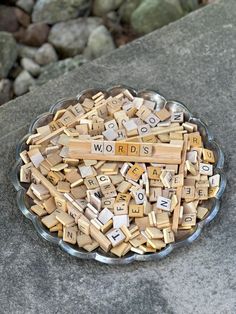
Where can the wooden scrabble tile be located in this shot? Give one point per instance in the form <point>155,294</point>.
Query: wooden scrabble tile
<point>83,239</point>
<point>168,235</point>
<point>138,240</point>
<point>121,249</point>
<point>115,236</point>
<point>195,140</point>
<point>177,117</point>
<point>189,219</point>
<point>143,112</point>
<point>191,168</point>
<point>139,196</point>
<point>63,187</point>
<point>144,129</point>
<point>91,247</point>
<point>91,183</point>
<point>192,156</point>
<point>112,124</point>
<point>138,102</point>
<point>152,120</point>
<point>153,172</point>
<point>151,138</point>
<point>103,179</point>
<point>176,136</point>
<point>69,235</point>
<point>166,178</point>
<point>105,215</point>
<point>146,150</point>
<point>109,147</point>
<point>188,192</point>
<point>156,244</point>
<point>212,192</point>
<point>108,190</point>
<point>97,147</point>
<point>135,172</point>
<point>64,218</point>
<point>35,156</point>
<point>163,203</point>
<point>214,181</point>
<point>208,155</point>
<point>130,125</point>
<point>77,110</point>
<point>109,167</point>
<point>162,220</point>
<point>25,173</point>
<point>79,192</point>
<point>125,197</point>
<point>154,233</point>
<point>58,227</point>
<point>142,222</point>
<point>201,212</point>
<point>84,225</point>
<point>201,193</point>
<point>190,127</point>
<point>108,202</point>
<point>121,149</point>
<point>152,219</point>
<point>54,159</point>
<point>205,169</point>
<point>50,220</point>
<point>154,193</point>
<point>133,149</point>
<point>120,208</point>
<point>136,210</point>
<point>110,134</point>
<point>126,232</point>
<point>49,205</point>
<point>60,203</point>
<point>86,171</point>
<point>120,220</point>
<point>67,118</point>
<point>163,114</point>
<point>38,210</point>
<point>73,176</point>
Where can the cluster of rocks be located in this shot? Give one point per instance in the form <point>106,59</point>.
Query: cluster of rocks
<point>40,40</point>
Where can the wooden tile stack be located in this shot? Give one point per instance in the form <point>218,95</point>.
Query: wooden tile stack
<point>118,173</point>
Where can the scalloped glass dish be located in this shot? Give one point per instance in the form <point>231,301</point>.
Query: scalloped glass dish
<point>185,237</point>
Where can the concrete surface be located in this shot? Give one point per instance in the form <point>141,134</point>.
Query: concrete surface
<point>192,60</point>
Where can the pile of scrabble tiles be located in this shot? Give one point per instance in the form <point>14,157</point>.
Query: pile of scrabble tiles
<point>118,174</point>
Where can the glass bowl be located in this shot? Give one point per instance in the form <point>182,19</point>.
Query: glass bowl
<point>184,238</point>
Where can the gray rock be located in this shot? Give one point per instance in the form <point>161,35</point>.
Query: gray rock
<point>26,51</point>
<point>8,53</point>
<point>70,38</point>
<point>26,5</point>
<point>100,42</point>
<point>127,8</point>
<point>46,54</point>
<point>8,19</point>
<point>53,11</point>
<point>35,34</point>
<point>5,91</point>
<point>102,7</point>
<point>54,70</point>
<point>22,83</point>
<point>32,67</point>
<point>153,14</point>
<point>189,5</point>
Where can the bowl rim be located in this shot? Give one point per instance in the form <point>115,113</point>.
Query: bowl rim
<point>99,255</point>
